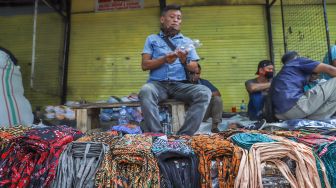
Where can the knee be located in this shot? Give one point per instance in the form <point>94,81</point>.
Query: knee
<point>147,91</point>
<point>204,93</point>
<point>217,100</point>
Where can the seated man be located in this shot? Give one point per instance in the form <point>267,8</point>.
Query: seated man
<point>215,108</point>
<point>258,88</point>
<point>167,78</point>
<point>287,90</point>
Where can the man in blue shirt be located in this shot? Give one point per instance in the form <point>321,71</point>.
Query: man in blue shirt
<point>258,89</point>
<point>289,99</point>
<point>167,76</point>
<point>215,108</point>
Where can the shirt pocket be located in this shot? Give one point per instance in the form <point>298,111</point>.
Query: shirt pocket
<point>160,49</point>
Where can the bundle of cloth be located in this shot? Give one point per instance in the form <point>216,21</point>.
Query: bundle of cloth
<point>259,148</point>
<point>177,162</point>
<point>79,163</point>
<point>226,156</point>
<point>130,163</point>
<point>32,158</point>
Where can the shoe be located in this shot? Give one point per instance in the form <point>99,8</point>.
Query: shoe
<point>257,125</point>
<point>215,130</point>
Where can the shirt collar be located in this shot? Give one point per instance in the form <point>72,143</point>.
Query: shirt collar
<point>179,35</point>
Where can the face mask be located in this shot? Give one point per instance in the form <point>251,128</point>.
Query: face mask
<point>269,75</point>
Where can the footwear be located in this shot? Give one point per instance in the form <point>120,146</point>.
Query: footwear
<point>215,130</point>
<point>257,125</point>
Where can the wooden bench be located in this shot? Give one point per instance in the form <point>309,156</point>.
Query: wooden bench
<point>87,115</point>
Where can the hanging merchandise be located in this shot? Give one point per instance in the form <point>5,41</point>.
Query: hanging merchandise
<point>225,154</point>
<point>304,175</point>
<point>177,162</point>
<point>32,158</point>
<point>78,164</point>
<point>130,164</point>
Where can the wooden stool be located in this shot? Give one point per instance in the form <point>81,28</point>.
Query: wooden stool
<point>87,115</point>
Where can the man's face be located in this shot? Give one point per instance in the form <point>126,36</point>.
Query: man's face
<point>172,19</point>
<point>263,71</point>
<point>197,75</point>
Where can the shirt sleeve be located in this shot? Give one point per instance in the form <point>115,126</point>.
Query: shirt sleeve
<point>308,65</point>
<point>148,49</point>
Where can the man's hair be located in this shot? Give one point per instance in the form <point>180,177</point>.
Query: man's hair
<point>170,7</point>
<point>289,56</point>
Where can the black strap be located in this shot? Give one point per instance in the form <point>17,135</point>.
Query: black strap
<point>169,43</point>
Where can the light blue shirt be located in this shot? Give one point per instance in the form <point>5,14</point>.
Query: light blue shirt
<point>327,61</point>
<point>157,47</point>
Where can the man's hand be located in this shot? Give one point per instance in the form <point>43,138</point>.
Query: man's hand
<point>170,57</point>
<point>182,55</point>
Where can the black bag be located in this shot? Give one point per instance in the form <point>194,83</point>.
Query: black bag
<point>189,75</point>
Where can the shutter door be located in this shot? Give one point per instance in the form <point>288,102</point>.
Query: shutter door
<point>16,35</point>
<point>105,49</point>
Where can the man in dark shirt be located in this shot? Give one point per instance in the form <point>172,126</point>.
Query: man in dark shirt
<point>258,89</point>
<point>289,99</point>
<point>215,108</point>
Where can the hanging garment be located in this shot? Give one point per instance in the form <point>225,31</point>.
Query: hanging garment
<point>177,162</point>
<point>78,164</point>
<point>225,154</point>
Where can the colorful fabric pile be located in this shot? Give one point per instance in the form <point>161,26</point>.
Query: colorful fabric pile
<point>223,152</point>
<point>130,164</point>
<point>177,162</point>
<point>33,157</point>
<point>6,134</point>
<point>306,172</point>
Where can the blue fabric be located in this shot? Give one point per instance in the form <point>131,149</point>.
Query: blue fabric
<point>246,140</point>
<point>208,84</point>
<point>288,86</point>
<point>127,130</point>
<point>327,61</point>
<point>255,105</point>
<point>157,47</point>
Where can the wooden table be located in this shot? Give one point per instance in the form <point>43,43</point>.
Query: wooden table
<point>87,115</point>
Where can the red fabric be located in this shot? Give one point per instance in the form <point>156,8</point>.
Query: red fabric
<point>33,157</point>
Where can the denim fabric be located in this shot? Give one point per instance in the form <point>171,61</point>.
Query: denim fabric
<point>157,47</point>
<point>196,95</point>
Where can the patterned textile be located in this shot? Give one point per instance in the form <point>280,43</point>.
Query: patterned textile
<point>177,163</point>
<point>78,164</point>
<point>314,140</point>
<point>6,134</point>
<point>127,129</point>
<point>33,157</point>
<point>327,153</point>
<point>130,164</point>
<point>227,157</point>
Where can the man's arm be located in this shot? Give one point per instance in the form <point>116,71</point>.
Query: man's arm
<point>255,87</point>
<point>331,70</point>
<point>149,64</point>
<point>216,93</point>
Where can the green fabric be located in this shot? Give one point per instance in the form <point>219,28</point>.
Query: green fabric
<point>246,140</point>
